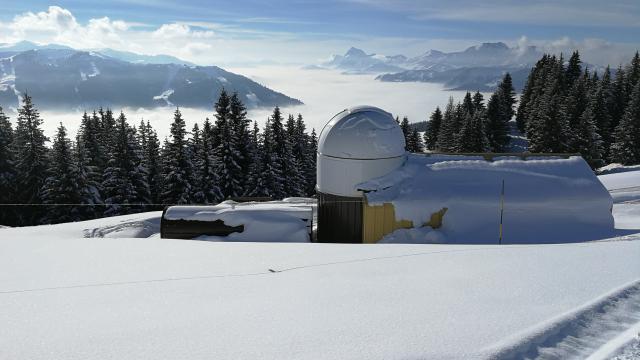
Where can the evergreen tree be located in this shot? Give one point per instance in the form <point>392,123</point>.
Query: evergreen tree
<point>240,127</point>
<point>124,185</point>
<point>626,148</point>
<point>227,158</point>
<point>573,71</point>
<point>507,96</point>
<point>619,100</point>
<point>547,130</point>
<point>311,162</point>
<point>65,184</point>
<point>478,102</point>
<point>633,73</point>
<point>256,183</point>
<point>205,182</point>
<point>472,135</point>
<point>433,128</point>
<point>176,187</point>
<point>446,140</point>
<point>587,141</point>
<point>496,120</point>
<point>574,106</point>
<point>406,131</point>
<point>273,147</point>
<point>31,158</point>
<point>415,144</point>
<point>7,171</point>
<point>90,152</point>
<point>152,163</point>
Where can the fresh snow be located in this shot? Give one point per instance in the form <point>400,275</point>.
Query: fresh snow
<point>165,96</point>
<point>561,198</point>
<point>66,291</point>
<point>289,220</point>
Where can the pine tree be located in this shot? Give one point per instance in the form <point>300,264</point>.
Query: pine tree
<point>152,163</point>
<point>478,102</point>
<point>7,171</point>
<point>496,120</point>
<point>620,99</point>
<point>31,158</point>
<point>273,148</point>
<point>587,141</point>
<point>446,140</point>
<point>176,187</point>
<point>433,128</point>
<point>406,130</point>
<point>256,183</point>
<point>507,95</point>
<point>626,148</point>
<point>65,184</point>
<point>90,152</point>
<point>311,162</point>
<point>227,158</point>
<point>472,135</point>
<point>240,127</point>
<point>467,107</point>
<point>573,71</point>
<point>574,106</point>
<point>205,181</point>
<point>125,188</point>
<point>415,144</point>
<point>547,129</point>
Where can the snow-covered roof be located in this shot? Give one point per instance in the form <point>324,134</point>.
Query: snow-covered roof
<point>546,199</point>
<point>362,132</point>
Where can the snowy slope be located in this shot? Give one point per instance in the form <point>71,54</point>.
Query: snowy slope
<point>110,288</point>
<point>63,296</point>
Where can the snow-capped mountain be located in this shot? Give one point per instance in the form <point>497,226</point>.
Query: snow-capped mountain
<point>478,67</point>
<point>358,62</point>
<point>62,77</point>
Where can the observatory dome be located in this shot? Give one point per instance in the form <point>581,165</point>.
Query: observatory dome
<point>362,132</point>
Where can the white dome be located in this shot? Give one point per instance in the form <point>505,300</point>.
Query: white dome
<point>362,132</point>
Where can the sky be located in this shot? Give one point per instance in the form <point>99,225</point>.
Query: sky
<point>256,32</point>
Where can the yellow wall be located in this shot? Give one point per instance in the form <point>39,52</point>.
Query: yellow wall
<point>380,220</point>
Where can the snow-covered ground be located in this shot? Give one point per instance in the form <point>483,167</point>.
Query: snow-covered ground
<point>138,296</point>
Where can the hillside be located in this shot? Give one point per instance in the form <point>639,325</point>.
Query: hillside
<point>63,78</point>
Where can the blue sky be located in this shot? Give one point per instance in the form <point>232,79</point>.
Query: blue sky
<point>306,31</point>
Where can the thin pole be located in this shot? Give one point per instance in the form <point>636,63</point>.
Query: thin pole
<point>501,211</point>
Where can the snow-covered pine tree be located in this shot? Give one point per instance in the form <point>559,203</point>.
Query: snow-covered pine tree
<point>256,184</point>
<point>472,135</point>
<point>294,181</point>
<point>306,159</point>
<point>415,144</point>
<point>152,163</point>
<point>406,130</point>
<point>586,139</point>
<point>573,72</point>
<point>205,182</point>
<point>633,73</point>
<point>433,128</point>
<point>496,122</point>
<point>573,107</point>
<point>547,129</point>
<point>532,91</point>
<point>176,184</point>
<point>273,145</point>
<point>7,171</point>
<point>124,185</point>
<point>507,95</point>
<point>446,140</point>
<point>240,127</point>
<point>107,128</point>
<point>626,148</point>
<point>90,153</point>
<point>467,107</point>
<point>227,157</point>
<point>478,101</point>
<point>311,162</point>
<point>65,184</point>
<point>31,159</point>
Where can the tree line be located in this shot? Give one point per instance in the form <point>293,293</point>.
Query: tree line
<point>114,168</point>
<point>564,108</point>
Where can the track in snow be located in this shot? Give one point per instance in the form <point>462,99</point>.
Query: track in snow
<point>598,331</point>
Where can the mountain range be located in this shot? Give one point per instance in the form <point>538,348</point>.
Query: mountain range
<point>60,77</point>
<point>476,68</point>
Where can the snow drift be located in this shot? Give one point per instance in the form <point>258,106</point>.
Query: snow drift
<point>546,199</point>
